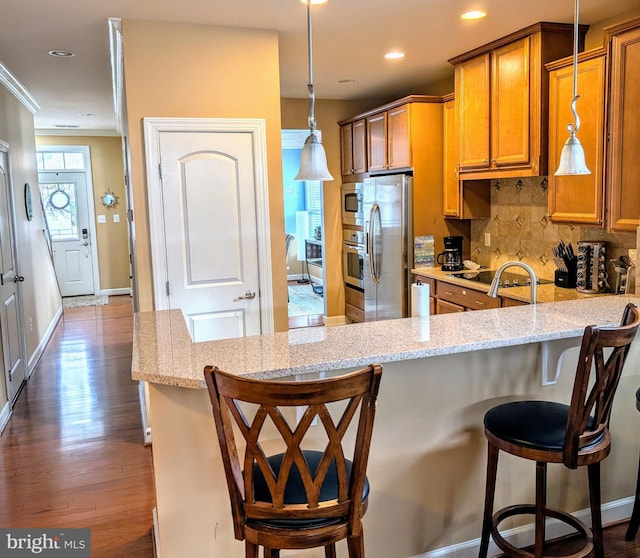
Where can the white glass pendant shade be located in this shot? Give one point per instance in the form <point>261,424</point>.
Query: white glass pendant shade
<point>313,160</point>
<point>572,158</point>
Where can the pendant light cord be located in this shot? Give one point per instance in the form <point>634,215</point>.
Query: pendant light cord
<point>573,128</point>
<point>312,96</point>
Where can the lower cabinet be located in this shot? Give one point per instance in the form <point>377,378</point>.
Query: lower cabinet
<point>353,304</point>
<point>447,298</point>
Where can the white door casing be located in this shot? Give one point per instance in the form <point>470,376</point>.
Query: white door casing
<point>73,249</point>
<point>11,318</point>
<point>209,223</point>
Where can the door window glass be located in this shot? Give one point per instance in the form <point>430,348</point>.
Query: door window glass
<point>59,201</point>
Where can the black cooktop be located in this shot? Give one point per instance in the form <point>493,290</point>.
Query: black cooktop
<point>506,279</point>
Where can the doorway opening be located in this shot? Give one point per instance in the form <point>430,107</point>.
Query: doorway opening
<point>304,238</point>
<point>66,200</point>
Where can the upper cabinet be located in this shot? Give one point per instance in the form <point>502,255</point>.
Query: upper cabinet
<point>353,147</point>
<point>623,162</point>
<point>501,94</point>
<point>389,140</point>
<point>577,199</point>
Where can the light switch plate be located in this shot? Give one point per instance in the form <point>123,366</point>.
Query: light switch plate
<point>116,218</point>
<point>102,218</point>
<point>487,239</point>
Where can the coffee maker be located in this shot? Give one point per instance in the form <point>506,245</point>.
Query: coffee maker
<point>451,258</point>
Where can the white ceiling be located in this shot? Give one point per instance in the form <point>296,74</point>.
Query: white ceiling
<point>350,38</point>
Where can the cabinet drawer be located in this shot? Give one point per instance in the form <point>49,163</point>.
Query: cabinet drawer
<point>353,313</point>
<point>427,281</point>
<point>354,297</point>
<point>512,302</point>
<point>469,298</point>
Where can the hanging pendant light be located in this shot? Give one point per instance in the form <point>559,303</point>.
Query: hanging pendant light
<point>572,160</point>
<point>313,160</point>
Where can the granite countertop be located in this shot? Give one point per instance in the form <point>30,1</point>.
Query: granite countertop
<point>545,293</point>
<point>164,353</point>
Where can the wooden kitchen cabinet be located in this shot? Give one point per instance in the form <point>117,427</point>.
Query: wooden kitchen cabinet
<point>389,139</point>
<point>470,199</point>
<point>501,91</point>
<point>577,199</point>
<point>623,162</point>
<point>444,307</point>
<point>353,143</point>
<point>354,304</point>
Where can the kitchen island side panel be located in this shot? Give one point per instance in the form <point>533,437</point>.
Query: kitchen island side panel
<point>427,461</point>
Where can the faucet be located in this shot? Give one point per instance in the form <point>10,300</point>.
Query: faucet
<point>493,289</point>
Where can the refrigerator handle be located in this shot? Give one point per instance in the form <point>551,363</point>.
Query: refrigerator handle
<point>373,264</point>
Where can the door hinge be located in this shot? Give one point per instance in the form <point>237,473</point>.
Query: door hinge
<point>160,170</point>
<point>2,279</point>
<point>126,180</point>
<point>167,287</point>
<point>130,215</point>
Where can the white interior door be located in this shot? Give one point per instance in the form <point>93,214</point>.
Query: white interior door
<point>207,215</point>
<point>66,208</point>
<point>11,322</point>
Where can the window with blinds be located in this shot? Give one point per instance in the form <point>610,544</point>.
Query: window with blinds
<point>313,199</point>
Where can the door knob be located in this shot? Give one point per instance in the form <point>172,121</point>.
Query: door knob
<point>249,295</point>
<point>18,279</point>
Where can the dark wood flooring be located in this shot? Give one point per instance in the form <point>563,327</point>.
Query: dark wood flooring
<point>73,453</point>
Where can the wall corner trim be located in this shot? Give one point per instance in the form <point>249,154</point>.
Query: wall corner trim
<point>19,91</point>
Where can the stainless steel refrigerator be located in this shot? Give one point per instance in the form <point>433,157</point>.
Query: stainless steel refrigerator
<point>388,227</point>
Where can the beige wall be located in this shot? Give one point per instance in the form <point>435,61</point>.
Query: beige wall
<point>107,170</point>
<point>40,299</point>
<point>595,37</point>
<point>175,70</point>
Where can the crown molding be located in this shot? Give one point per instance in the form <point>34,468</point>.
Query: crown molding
<point>78,132</point>
<point>19,91</point>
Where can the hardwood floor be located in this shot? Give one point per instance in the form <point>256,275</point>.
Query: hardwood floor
<point>73,453</point>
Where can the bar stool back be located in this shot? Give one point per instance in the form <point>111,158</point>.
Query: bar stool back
<point>634,522</point>
<point>298,498</point>
<point>549,432</point>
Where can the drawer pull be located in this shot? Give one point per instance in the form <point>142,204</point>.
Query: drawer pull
<point>449,293</point>
<point>480,303</point>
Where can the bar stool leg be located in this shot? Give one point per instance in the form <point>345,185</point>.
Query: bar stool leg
<point>492,470</point>
<point>596,514</point>
<point>251,550</point>
<point>541,503</point>
<point>634,522</point>
<point>356,547</point>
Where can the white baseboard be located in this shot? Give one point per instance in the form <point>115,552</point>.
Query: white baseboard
<point>5,415</point>
<point>114,292</point>
<point>156,537</point>
<point>37,354</point>
<point>612,512</point>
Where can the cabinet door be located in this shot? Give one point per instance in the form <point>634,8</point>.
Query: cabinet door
<point>398,138</point>
<point>577,199</point>
<point>510,108</point>
<point>472,100</point>
<point>451,190</point>
<point>346,149</point>
<point>359,141</point>
<point>624,132</point>
<point>377,141</point>
<point>444,307</point>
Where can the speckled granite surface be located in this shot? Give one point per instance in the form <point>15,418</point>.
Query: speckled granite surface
<point>545,293</point>
<point>164,353</point>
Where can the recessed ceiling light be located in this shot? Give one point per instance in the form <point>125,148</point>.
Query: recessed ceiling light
<point>473,14</point>
<point>394,55</point>
<point>314,2</point>
<point>61,53</point>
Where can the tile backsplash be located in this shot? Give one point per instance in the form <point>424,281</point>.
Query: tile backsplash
<point>520,229</point>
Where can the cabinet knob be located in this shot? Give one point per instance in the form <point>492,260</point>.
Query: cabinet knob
<point>484,161</point>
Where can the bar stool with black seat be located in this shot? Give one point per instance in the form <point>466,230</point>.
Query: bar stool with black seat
<point>297,498</point>
<point>548,432</point>
<point>634,522</point>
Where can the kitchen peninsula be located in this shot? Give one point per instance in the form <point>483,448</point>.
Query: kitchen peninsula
<point>428,451</point>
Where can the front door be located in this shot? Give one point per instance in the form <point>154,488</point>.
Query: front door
<point>205,205</point>
<point>10,310</point>
<point>66,208</point>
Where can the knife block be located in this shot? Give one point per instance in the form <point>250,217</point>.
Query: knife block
<point>566,279</point>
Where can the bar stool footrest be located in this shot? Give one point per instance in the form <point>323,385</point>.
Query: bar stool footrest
<point>530,509</point>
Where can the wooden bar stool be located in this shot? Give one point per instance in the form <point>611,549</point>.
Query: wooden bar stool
<point>548,432</point>
<point>634,522</point>
<point>298,498</point>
